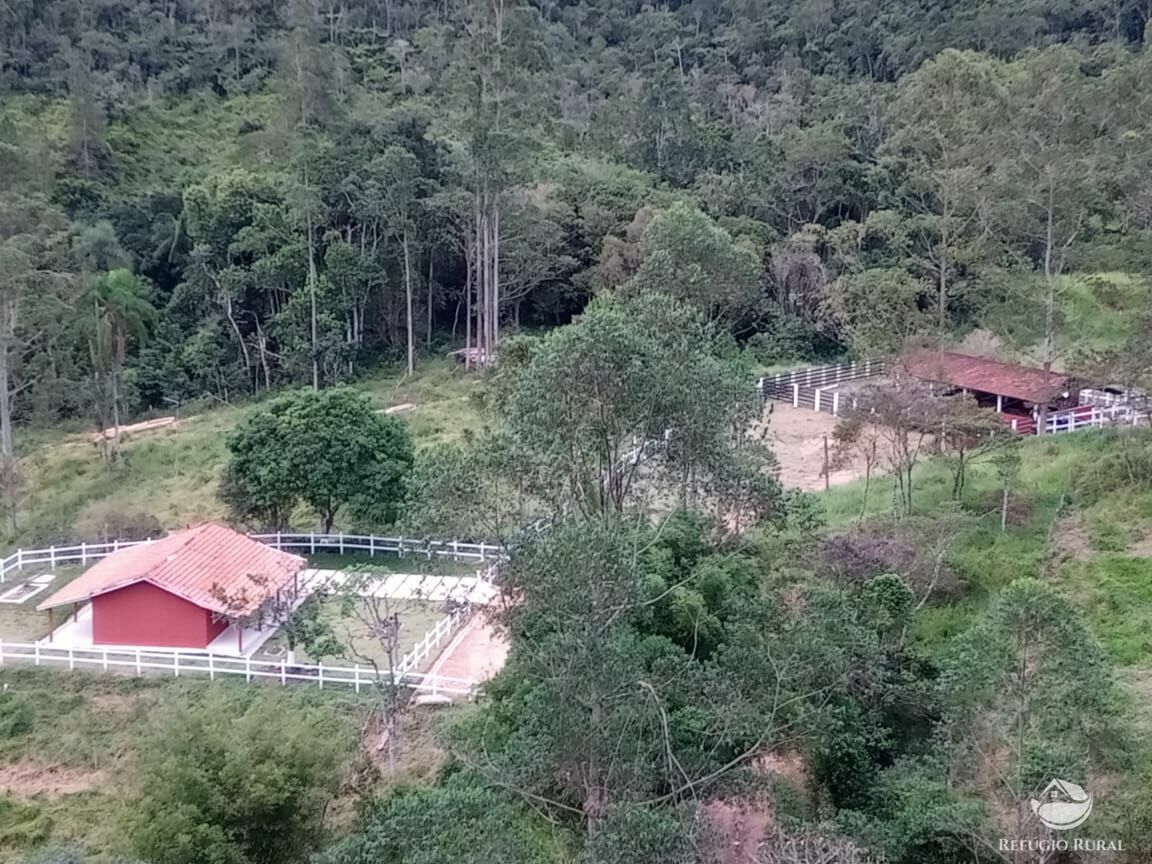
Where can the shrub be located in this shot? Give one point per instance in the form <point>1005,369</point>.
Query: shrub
<point>238,777</point>
<point>16,716</point>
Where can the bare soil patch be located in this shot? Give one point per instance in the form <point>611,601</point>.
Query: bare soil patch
<point>796,436</point>
<point>28,779</point>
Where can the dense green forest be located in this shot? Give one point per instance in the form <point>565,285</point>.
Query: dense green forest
<point>637,206</point>
<point>214,199</point>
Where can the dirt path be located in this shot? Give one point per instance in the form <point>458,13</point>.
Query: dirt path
<point>27,779</point>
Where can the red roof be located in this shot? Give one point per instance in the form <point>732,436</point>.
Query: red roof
<point>986,376</point>
<point>198,564</point>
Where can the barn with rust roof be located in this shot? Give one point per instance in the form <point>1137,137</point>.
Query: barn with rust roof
<point>1019,393</point>
<point>179,592</point>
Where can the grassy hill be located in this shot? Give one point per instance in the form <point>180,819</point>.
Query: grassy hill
<point>171,474</point>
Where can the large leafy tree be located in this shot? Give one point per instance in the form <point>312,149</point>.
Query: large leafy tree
<point>329,450</point>
<point>639,397</point>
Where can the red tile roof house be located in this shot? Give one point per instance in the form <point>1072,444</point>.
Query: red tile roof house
<point>183,591</point>
<point>1016,392</point>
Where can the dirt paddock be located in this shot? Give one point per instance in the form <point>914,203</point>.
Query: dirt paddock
<point>796,436</point>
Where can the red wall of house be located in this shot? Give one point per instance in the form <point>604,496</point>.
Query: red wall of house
<point>143,614</point>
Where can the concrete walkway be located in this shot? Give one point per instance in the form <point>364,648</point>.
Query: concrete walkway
<point>476,653</point>
<point>404,586</point>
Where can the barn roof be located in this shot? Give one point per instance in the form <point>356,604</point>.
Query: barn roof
<point>197,564</point>
<point>986,376</point>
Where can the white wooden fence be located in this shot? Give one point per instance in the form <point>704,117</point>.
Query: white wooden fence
<point>142,661</point>
<point>784,385</point>
<point>178,662</point>
<point>340,544</point>
<point>1091,417</point>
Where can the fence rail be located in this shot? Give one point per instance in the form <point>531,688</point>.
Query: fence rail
<point>312,543</point>
<point>174,662</point>
<point>784,386</point>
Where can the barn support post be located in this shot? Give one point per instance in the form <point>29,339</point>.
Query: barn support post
<point>999,404</point>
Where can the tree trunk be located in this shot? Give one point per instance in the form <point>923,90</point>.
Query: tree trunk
<point>7,449</point>
<point>312,289</point>
<point>408,302</point>
<point>428,334</point>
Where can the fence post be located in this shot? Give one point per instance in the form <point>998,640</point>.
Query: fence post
<point>71,659</point>
<point>104,659</point>
<point>175,664</point>
<point>1,653</point>
<point>312,541</point>
<point>320,673</point>
<point>341,535</point>
<point>868,367</point>
<point>400,547</point>
<point>279,541</point>
<point>36,654</point>
<point>836,403</point>
<point>283,673</point>
<point>83,553</point>
<point>455,550</point>
<point>52,557</point>
<point>795,395</point>
<point>371,545</point>
<point>247,668</point>
<point>138,669</point>
<point>817,398</point>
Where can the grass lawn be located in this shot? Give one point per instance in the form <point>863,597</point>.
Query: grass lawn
<point>20,622</point>
<point>353,631</point>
